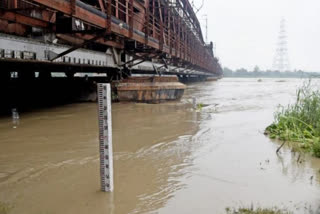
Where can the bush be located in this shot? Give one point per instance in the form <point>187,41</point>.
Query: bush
<point>300,122</point>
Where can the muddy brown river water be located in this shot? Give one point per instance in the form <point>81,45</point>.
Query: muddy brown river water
<point>168,158</point>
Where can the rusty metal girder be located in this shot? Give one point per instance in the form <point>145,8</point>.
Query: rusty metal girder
<point>79,46</point>
<point>171,29</point>
<point>22,19</point>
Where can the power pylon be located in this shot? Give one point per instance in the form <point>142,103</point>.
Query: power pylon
<point>281,58</point>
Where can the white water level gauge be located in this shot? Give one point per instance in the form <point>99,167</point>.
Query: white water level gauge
<point>105,137</point>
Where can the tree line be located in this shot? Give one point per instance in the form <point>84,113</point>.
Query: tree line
<point>257,72</point>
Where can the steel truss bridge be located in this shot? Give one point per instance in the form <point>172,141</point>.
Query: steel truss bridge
<point>104,36</point>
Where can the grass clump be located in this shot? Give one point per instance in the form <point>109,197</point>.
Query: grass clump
<point>256,211</point>
<point>300,122</point>
<point>4,208</point>
<point>200,106</point>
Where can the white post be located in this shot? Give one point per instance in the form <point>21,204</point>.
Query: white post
<point>105,137</point>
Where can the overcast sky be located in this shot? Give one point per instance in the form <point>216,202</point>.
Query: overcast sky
<point>245,31</point>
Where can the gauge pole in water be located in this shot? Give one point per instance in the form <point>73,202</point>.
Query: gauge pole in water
<point>105,137</point>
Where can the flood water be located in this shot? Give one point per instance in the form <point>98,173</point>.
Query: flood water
<point>168,158</point>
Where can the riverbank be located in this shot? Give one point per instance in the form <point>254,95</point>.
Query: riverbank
<point>299,122</point>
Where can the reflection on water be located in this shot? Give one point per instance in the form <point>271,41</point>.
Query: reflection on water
<point>168,157</point>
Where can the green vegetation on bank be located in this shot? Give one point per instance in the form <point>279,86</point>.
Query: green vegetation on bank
<point>256,211</point>
<point>300,122</point>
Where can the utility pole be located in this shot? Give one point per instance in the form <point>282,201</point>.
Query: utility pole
<point>206,27</point>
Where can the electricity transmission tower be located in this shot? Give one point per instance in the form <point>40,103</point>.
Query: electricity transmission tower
<point>206,26</point>
<point>197,9</point>
<point>281,58</point>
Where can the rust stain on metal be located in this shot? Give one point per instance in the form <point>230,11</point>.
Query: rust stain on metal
<point>150,89</point>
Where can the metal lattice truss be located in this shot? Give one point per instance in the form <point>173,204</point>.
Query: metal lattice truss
<point>163,30</point>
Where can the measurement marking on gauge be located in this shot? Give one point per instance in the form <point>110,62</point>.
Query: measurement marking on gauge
<point>105,137</point>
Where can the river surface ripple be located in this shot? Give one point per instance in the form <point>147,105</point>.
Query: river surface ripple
<point>168,158</point>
